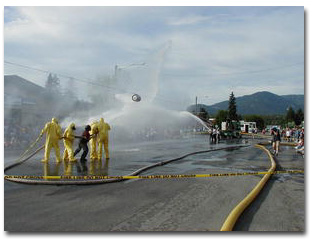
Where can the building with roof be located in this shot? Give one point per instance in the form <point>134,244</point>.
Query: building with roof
<point>22,101</point>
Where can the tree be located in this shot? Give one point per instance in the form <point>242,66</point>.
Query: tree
<point>274,120</point>
<point>290,115</point>
<point>52,83</point>
<point>232,108</point>
<point>299,117</point>
<point>221,116</point>
<point>232,112</point>
<point>203,114</point>
<point>255,118</point>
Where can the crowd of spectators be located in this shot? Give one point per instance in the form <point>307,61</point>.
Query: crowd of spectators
<point>300,142</point>
<point>292,134</point>
<point>295,135</point>
<point>18,137</point>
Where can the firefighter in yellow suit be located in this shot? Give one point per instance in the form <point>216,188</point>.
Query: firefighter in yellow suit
<point>53,133</point>
<point>69,138</point>
<point>93,141</point>
<point>103,128</point>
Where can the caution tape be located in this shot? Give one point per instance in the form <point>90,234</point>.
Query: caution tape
<point>153,176</point>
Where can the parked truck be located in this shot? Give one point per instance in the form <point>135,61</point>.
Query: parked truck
<point>232,130</point>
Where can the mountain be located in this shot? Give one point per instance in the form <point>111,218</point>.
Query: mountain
<point>262,103</point>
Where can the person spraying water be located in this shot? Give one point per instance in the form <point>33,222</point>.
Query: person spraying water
<point>53,133</point>
<point>104,128</point>
<point>69,138</point>
<point>83,143</point>
<point>93,142</point>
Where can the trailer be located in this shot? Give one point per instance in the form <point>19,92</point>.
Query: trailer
<point>248,126</point>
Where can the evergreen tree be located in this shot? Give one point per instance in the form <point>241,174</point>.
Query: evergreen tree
<point>232,112</point>
<point>49,81</point>
<point>256,118</point>
<point>299,117</point>
<point>52,83</point>
<point>232,109</point>
<point>221,117</point>
<point>290,115</point>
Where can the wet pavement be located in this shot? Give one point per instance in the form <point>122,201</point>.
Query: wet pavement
<point>190,204</point>
<point>126,159</point>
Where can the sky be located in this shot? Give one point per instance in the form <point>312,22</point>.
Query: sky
<point>212,51</point>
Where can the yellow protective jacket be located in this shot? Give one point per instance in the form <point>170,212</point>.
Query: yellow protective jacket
<point>103,130</point>
<point>93,140</point>
<point>69,135</point>
<point>53,131</point>
<point>94,129</point>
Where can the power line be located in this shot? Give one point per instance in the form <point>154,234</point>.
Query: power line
<point>83,80</point>
<point>64,76</point>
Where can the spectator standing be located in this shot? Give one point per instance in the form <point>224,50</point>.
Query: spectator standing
<point>288,135</point>
<point>276,141</point>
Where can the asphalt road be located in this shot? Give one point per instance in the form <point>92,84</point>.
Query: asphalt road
<point>188,204</point>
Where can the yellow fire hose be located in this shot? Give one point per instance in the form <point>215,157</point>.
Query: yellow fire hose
<point>238,210</point>
<point>29,148</point>
<point>19,161</point>
<point>230,220</point>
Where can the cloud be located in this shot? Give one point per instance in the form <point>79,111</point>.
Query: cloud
<point>188,20</point>
<point>211,46</point>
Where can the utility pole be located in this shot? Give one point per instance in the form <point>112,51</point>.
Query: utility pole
<point>196,110</point>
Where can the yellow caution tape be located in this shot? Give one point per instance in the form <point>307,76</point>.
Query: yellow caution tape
<point>154,176</point>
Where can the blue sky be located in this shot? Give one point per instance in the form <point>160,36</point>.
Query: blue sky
<point>213,50</point>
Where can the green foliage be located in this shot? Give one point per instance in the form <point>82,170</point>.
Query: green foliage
<point>274,120</point>
<point>221,116</point>
<point>299,117</point>
<point>255,118</point>
<point>232,108</point>
<point>290,115</point>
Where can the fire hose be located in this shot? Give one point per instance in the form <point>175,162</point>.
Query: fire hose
<point>99,181</point>
<point>230,220</point>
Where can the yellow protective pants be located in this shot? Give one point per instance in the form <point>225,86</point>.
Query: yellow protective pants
<point>68,152</point>
<point>103,143</point>
<point>48,147</point>
<point>93,148</point>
